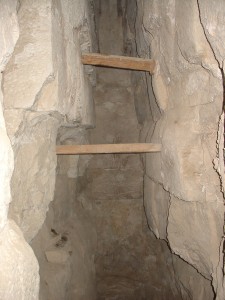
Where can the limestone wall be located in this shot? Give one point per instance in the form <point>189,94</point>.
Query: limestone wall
<point>183,198</point>
<point>66,244</point>
<point>44,87</point>
<point>19,268</point>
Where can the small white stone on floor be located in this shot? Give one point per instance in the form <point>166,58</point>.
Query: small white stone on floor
<point>57,256</point>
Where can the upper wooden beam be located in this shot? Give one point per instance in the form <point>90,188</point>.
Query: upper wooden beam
<point>108,148</point>
<point>115,61</point>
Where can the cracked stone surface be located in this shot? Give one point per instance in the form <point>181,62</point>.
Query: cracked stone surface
<point>21,282</point>
<point>188,90</point>
<point>68,237</point>
<point>44,87</point>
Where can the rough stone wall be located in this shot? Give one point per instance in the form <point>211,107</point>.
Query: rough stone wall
<point>22,281</point>
<point>183,198</point>
<point>66,243</point>
<point>43,88</point>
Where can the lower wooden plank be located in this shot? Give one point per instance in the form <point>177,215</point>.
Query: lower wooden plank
<point>122,62</point>
<point>107,148</point>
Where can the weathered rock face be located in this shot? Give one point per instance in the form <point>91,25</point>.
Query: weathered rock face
<point>19,277</point>
<point>183,197</point>
<point>44,87</point>
<point>21,282</point>
<point>9,35</point>
<point>66,243</point>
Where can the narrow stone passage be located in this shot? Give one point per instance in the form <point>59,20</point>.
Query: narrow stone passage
<point>116,181</point>
<point>112,227</point>
<point>130,263</point>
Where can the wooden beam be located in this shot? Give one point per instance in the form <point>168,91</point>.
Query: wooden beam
<point>122,62</point>
<point>108,148</point>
